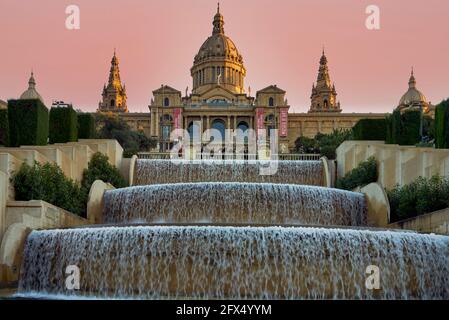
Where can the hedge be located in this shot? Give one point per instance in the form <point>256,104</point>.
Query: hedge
<point>365,173</point>
<point>404,129</point>
<point>389,130</point>
<point>370,129</point>
<point>86,126</point>
<point>63,125</point>
<point>4,127</point>
<point>28,122</point>
<point>442,125</point>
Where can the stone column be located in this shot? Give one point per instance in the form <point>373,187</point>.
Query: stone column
<point>201,128</point>
<point>207,128</point>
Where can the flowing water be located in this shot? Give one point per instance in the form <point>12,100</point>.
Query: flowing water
<point>224,261</point>
<point>168,171</point>
<point>251,203</point>
<point>236,262</point>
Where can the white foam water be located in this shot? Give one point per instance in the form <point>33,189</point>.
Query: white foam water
<point>235,203</point>
<point>235,262</point>
<point>169,171</point>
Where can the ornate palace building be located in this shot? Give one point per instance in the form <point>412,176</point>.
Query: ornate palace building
<point>218,99</point>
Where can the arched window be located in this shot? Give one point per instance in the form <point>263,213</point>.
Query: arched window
<point>271,102</point>
<point>194,131</point>
<point>218,131</point>
<point>325,104</point>
<point>166,102</point>
<point>112,103</point>
<point>242,129</point>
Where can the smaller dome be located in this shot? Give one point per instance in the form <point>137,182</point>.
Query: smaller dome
<point>413,95</point>
<point>31,92</point>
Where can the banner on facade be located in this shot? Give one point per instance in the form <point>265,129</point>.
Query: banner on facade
<point>260,118</point>
<point>177,118</point>
<point>284,123</point>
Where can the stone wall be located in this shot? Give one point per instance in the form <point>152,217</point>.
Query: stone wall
<point>398,165</point>
<point>22,217</point>
<point>299,124</point>
<point>435,222</point>
<point>18,218</point>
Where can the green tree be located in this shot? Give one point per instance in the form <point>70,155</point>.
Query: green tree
<point>328,143</point>
<point>113,127</point>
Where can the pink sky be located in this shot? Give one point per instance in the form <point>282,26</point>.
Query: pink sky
<point>280,41</point>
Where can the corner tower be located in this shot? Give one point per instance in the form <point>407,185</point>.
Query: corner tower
<point>114,94</point>
<point>218,62</point>
<point>324,95</point>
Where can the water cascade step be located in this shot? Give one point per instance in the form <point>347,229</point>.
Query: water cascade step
<point>169,171</point>
<point>236,203</point>
<point>236,262</point>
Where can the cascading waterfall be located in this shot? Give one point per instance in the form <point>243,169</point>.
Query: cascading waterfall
<point>234,203</point>
<point>229,262</point>
<point>231,256</point>
<point>169,171</point>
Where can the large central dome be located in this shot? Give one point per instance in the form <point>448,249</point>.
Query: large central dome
<point>218,62</point>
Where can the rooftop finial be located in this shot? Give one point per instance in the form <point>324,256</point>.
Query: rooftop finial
<point>218,22</point>
<point>412,81</point>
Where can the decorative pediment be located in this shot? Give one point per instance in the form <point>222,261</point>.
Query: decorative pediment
<point>271,89</point>
<point>166,90</point>
<point>218,93</point>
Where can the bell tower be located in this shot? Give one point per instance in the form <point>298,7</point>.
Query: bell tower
<point>324,95</point>
<point>114,94</point>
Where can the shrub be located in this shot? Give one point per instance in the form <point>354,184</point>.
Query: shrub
<point>28,122</point>
<point>63,125</point>
<point>99,168</point>
<point>370,129</point>
<point>47,182</point>
<point>365,173</point>
<point>86,126</point>
<point>442,125</point>
<point>4,127</point>
<point>422,196</point>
